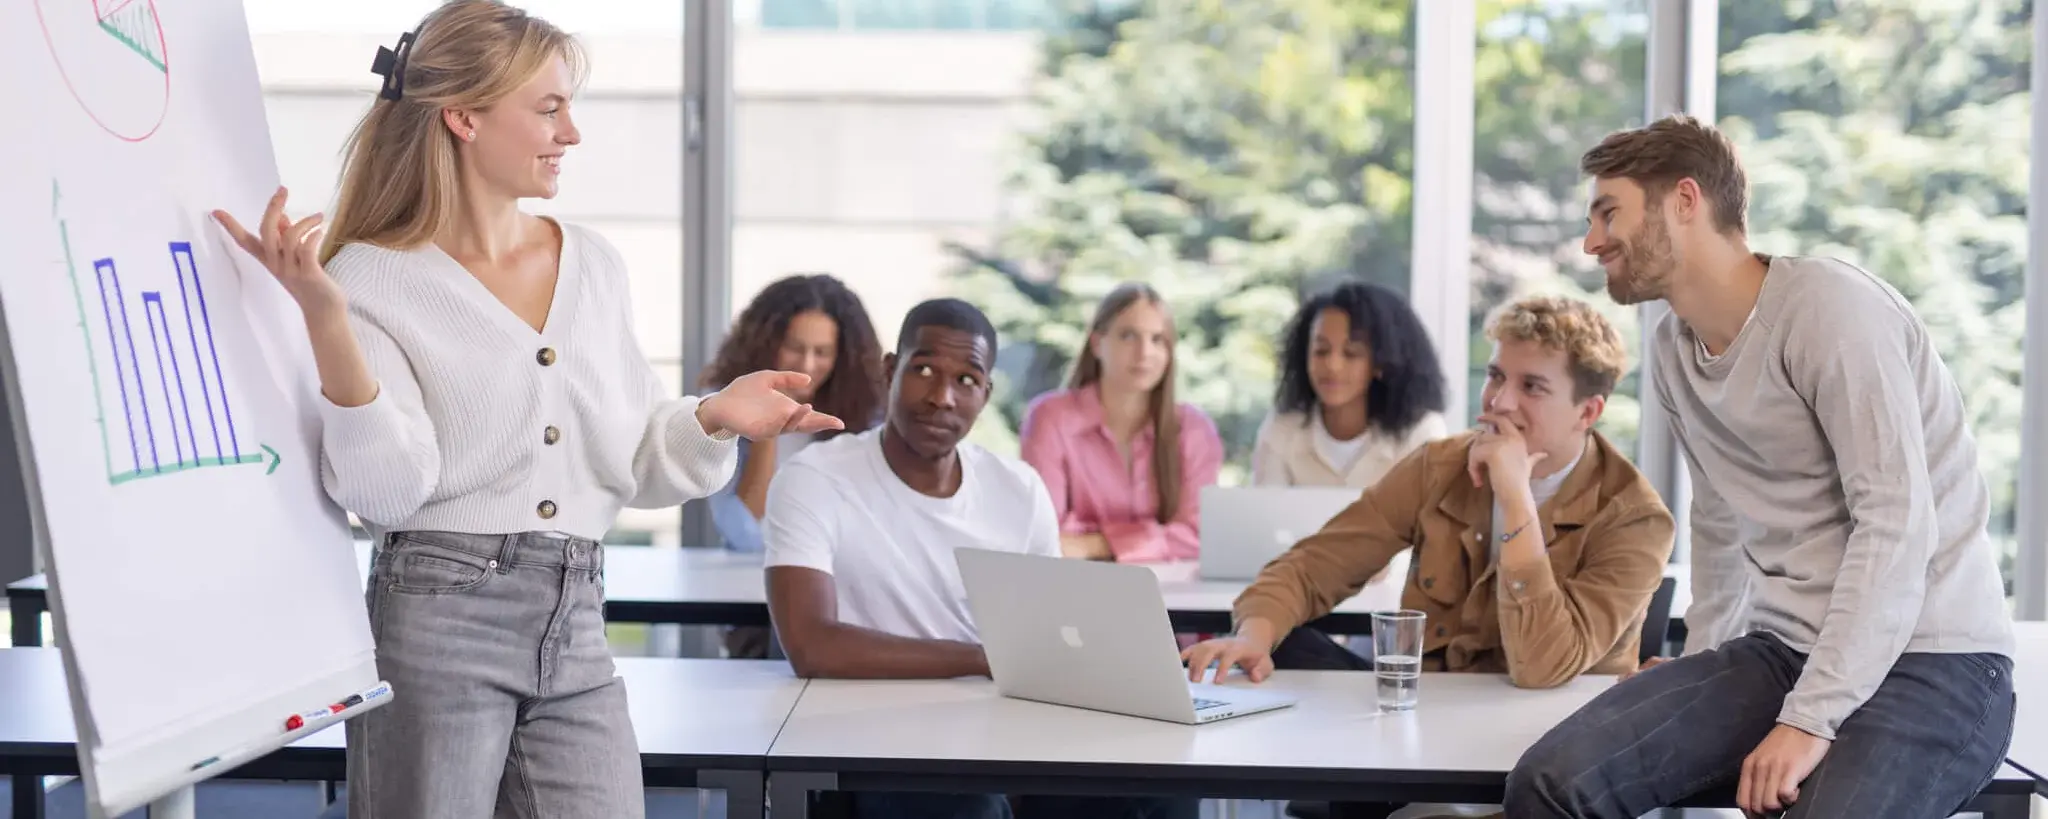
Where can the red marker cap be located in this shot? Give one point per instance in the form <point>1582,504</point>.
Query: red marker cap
<point>294,723</point>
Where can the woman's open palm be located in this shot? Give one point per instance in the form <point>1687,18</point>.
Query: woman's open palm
<point>290,251</point>
<point>757,405</point>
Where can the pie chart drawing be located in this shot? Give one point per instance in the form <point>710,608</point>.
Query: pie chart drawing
<point>112,58</point>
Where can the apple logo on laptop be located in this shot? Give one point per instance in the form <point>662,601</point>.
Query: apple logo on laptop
<point>1071,636</point>
<point>1284,538</point>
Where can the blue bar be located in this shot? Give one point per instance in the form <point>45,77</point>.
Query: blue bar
<point>192,334</point>
<point>213,352</point>
<point>184,403</point>
<point>150,297</point>
<point>106,267</point>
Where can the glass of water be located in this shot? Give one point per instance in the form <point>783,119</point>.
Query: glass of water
<point>1397,657</point>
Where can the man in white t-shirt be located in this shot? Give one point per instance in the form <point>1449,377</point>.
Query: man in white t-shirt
<point>860,530</point>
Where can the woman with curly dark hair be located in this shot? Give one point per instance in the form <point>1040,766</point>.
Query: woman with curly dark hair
<point>1360,388</point>
<point>815,325</point>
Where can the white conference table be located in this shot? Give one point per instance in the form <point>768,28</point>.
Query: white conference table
<point>699,723</point>
<point>722,588</point>
<point>738,725</point>
<point>959,736</point>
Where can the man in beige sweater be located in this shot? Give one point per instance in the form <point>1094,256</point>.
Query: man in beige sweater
<point>1850,651</point>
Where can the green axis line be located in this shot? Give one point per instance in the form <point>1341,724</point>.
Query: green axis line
<point>91,359</point>
<point>185,466</point>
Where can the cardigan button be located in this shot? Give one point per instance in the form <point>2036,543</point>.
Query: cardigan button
<point>546,510</point>
<point>546,356</point>
<point>550,435</point>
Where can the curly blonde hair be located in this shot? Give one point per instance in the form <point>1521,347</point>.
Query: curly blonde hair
<point>1573,327</point>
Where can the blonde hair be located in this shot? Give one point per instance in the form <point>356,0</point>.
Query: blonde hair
<point>1166,465</point>
<point>1573,327</point>
<point>398,177</point>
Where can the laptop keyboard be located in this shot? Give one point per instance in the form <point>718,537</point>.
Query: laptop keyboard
<point>1204,705</point>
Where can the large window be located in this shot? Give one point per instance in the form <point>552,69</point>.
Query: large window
<point>901,14</point>
<point>1232,155</point>
<point>624,181</point>
<point>1894,134</point>
<point>1552,77</point>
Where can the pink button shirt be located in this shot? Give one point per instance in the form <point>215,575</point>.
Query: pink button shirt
<point>1093,491</point>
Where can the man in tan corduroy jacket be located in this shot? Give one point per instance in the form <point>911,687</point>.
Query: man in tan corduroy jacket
<point>1538,545</point>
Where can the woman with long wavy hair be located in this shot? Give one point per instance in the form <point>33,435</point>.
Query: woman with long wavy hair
<point>812,324</point>
<point>486,413</point>
<point>1125,461</point>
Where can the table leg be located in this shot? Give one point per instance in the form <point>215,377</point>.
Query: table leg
<point>28,621</point>
<point>745,792</point>
<point>28,797</point>
<point>789,792</point>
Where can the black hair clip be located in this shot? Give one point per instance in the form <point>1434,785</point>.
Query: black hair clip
<point>390,63</point>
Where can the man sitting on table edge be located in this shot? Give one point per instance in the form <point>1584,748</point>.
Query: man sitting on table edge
<point>1538,545</point>
<point>859,534</point>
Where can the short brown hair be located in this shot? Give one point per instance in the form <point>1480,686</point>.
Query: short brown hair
<point>1597,357</point>
<point>1676,147</point>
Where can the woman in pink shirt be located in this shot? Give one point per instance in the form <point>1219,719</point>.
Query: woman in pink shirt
<point>1124,461</point>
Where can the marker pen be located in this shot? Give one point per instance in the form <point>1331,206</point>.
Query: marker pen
<point>297,721</point>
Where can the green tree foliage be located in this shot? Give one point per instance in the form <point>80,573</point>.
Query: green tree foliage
<point>1238,154</point>
<point>1894,133</point>
<point>1229,153</point>
<point>1235,154</point>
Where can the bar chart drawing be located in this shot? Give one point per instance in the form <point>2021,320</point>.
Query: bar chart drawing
<point>155,389</point>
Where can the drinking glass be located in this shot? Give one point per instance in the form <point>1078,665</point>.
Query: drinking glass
<point>1397,657</point>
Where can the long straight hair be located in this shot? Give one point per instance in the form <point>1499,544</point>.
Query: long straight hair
<point>399,183</point>
<point>1165,408</point>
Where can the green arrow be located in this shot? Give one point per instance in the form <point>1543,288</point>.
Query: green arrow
<point>275,459</point>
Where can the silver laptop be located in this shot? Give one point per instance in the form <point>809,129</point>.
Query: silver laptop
<point>1089,635</point>
<point>1245,527</point>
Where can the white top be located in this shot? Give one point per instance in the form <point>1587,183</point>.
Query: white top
<point>457,438</point>
<point>1339,454</point>
<point>838,508</point>
<point>1290,451</point>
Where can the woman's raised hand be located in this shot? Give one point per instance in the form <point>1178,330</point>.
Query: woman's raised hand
<point>291,252</point>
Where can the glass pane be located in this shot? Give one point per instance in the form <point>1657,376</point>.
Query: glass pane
<point>800,13</point>
<point>1894,134</point>
<point>1553,77</point>
<point>1231,154</point>
<point>623,182</point>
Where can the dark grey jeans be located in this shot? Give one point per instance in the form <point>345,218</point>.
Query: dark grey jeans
<point>505,702</point>
<point>1931,737</point>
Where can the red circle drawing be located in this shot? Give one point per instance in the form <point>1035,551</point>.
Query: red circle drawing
<point>113,59</point>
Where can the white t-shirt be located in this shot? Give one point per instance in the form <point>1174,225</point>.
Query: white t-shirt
<point>1340,453</point>
<point>838,508</point>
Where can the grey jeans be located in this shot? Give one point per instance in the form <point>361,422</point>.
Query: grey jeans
<point>505,699</point>
<point>1931,737</point>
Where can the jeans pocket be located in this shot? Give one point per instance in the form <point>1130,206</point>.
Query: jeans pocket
<point>1993,666</point>
<point>420,567</point>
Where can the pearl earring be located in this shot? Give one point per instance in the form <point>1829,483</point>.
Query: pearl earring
<point>471,137</point>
